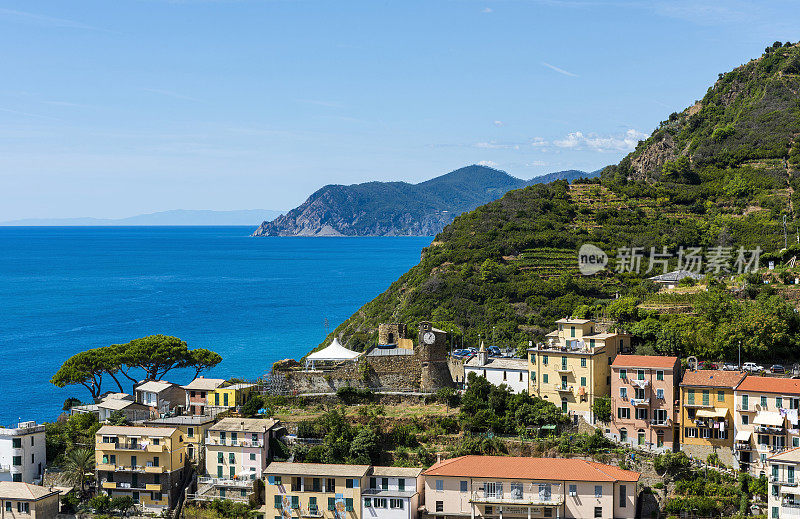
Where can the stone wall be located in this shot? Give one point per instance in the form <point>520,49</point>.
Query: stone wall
<point>701,452</point>
<point>396,330</point>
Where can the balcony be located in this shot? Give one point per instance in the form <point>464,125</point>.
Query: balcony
<point>108,467</point>
<point>310,512</point>
<point>563,388</point>
<point>770,429</point>
<point>636,402</point>
<point>535,498</point>
<point>204,497</point>
<point>221,482</point>
<point>153,487</point>
<point>660,423</point>
<point>154,470</point>
<point>564,369</point>
<point>233,443</point>
<point>695,403</point>
<point>785,482</point>
<point>109,484</point>
<point>641,383</point>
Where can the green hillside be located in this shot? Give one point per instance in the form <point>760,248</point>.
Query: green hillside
<point>720,173</point>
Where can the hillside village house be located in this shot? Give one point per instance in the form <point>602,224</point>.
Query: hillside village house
<point>197,394</point>
<point>766,417</point>
<point>517,487</point>
<point>644,401</point>
<point>392,493</point>
<point>23,453</point>
<point>783,499</point>
<point>707,409</point>
<point>160,396</point>
<point>144,463</point>
<point>18,500</point>
<point>133,411</point>
<point>314,490</point>
<point>236,452</point>
<point>499,370</point>
<point>573,366</point>
<point>229,396</point>
<point>193,429</point>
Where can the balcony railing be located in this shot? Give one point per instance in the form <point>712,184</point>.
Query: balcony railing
<point>785,482</point>
<point>564,369</point>
<point>222,482</point>
<point>698,404</point>
<point>640,401</point>
<point>770,429</point>
<point>655,422</point>
<point>554,497</point>
<point>204,497</point>
<point>563,387</point>
<point>233,443</point>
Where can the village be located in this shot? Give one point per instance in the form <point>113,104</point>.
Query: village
<point>169,448</point>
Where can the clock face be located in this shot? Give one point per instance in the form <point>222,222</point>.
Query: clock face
<point>429,337</point>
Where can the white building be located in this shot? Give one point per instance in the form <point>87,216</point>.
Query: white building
<point>499,370</point>
<point>392,493</point>
<point>23,454</point>
<point>783,491</point>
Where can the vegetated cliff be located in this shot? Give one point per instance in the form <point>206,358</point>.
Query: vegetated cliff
<point>399,208</point>
<point>723,173</point>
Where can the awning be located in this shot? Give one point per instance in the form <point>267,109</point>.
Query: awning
<point>743,436</point>
<point>718,412</point>
<point>769,418</point>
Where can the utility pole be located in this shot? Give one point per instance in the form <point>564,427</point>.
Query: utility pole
<point>740,355</point>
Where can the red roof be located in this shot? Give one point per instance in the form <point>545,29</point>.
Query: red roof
<point>509,467</point>
<point>776,385</point>
<point>713,378</point>
<point>644,361</point>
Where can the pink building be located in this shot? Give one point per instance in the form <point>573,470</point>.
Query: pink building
<point>644,401</point>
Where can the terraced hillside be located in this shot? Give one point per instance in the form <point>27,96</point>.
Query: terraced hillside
<point>721,173</point>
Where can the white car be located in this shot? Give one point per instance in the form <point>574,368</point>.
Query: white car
<point>752,367</point>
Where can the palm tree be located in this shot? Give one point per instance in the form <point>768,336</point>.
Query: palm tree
<point>77,464</point>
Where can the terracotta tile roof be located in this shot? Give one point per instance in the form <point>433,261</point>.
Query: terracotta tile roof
<point>507,467</point>
<point>777,385</point>
<point>252,425</point>
<point>791,455</point>
<point>713,378</point>
<point>644,361</point>
<point>283,468</point>
<point>24,491</point>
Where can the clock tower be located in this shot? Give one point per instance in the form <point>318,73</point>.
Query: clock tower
<point>432,351</point>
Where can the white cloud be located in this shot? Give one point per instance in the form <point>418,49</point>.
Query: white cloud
<point>499,123</point>
<point>559,70</point>
<point>487,10</point>
<point>535,163</point>
<point>488,163</point>
<point>592,141</point>
<point>538,142</point>
<point>496,146</point>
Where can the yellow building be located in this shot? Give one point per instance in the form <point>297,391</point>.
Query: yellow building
<point>229,395</point>
<point>572,367</point>
<point>193,428</point>
<point>707,411</point>
<point>296,490</point>
<point>145,463</point>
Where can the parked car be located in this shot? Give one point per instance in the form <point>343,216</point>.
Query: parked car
<point>752,367</point>
<point>777,368</point>
<point>494,351</point>
<point>730,367</point>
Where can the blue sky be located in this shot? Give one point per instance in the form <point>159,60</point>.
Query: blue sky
<point>113,108</point>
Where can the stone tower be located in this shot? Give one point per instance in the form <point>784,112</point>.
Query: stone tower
<point>432,352</point>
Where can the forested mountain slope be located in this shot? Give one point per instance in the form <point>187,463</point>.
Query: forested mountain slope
<point>721,173</point>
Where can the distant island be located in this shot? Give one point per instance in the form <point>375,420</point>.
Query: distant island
<point>174,217</point>
<point>400,208</point>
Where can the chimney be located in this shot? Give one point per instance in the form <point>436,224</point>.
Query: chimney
<point>438,457</point>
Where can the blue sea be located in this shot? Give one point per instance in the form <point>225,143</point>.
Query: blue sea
<point>252,300</point>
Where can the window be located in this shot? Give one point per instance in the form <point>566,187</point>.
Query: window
<point>533,377</point>
<point>660,394</point>
<point>330,485</point>
<point>598,491</point>
<point>548,512</point>
<point>639,393</point>
<point>660,374</point>
<point>790,474</point>
<point>16,443</point>
<point>231,457</point>
<point>690,432</point>
<point>775,512</point>
<point>544,359</point>
<point>598,511</point>
<point>16,478</point>
<point>563,363</point>
<point>384,483</point>
<point>533,357</point>
<point>505,375</point>
<point>439,485</point>
<point>331,503</point>
<point>367,502</point>
<point>660,439</point>
<point>745,419</point>
<point>583,362</point>
<point>623,435</point>
<point>583,381</point>
<point>312,502</point>
<point>572,331</point>
<point>720,396</point>
<point>155,461</point>
<point>379,502</point>
<point>23,507</point>
<point>396,504</point>
<point>544,378</point>
<point>778,402</point>
<point>401,485</point>
<point>764,402</point>
<point>348,483</point>
<point>623,496</point>
<point>190,432</point>
<point>623,373</point>
<point>706,397</point>
<point>295,502</point>
<point>252,456</point>
<point>278,502</point>
<point>348,504</point>
<point>660,416</point>
<point>690,396</point>
<point>516,490</point>
<point>463,486</point>
<point>573,490</point>
<point>316,483</point>
<point>641,414</point>
<point>16,461</point>
<point>795,442</point>
<point>623,392</point>
<point>640,374</point>
<point>8,506</point>
<point>624,413</point>
<point>440,506</point>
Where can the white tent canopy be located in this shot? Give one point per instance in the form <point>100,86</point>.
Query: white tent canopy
<point>333,352</point>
